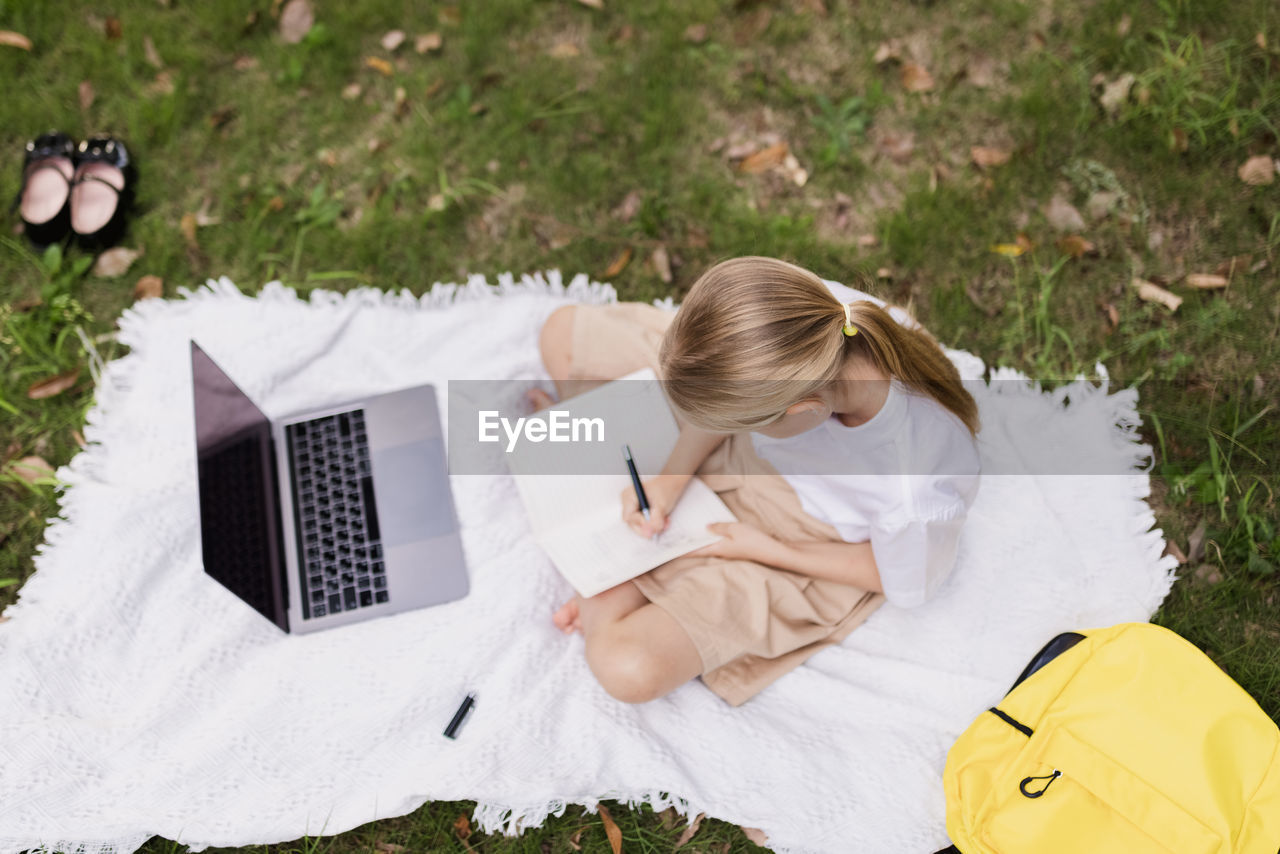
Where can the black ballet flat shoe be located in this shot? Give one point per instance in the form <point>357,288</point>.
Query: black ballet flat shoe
<point>101,192</point>
<point>44,201</point>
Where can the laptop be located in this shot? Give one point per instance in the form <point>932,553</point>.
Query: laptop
<point>327,517</point>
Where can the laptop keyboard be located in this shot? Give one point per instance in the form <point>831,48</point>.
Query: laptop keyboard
<point>339,544</point>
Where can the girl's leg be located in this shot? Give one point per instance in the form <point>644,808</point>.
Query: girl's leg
<point>636,650</point>
<point>556,344</point>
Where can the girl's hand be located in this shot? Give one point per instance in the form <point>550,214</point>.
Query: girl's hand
<point>663,492</point>
<point>743,542</point>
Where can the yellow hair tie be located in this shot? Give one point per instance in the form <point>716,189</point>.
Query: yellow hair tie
<point>849,329</point>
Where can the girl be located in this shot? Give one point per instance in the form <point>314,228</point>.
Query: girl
<point>837,432</point>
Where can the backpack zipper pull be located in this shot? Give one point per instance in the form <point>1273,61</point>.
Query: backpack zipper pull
<point>1022,787</point>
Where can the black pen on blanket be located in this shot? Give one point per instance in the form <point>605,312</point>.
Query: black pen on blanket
<point>452,729</point>
<point>635,481</point>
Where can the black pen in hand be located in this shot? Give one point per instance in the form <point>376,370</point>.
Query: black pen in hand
<point>635,481</point>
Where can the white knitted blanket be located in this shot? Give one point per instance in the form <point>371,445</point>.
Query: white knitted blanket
<point>138,697</point>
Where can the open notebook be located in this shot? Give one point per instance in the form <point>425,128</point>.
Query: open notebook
<point>572,491</point>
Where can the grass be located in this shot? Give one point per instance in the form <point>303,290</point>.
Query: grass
<point>514,145</point>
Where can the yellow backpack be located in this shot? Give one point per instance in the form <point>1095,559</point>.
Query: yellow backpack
<point>1126,740</point>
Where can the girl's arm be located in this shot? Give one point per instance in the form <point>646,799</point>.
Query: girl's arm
<point>843,563</point>
<point>663,491</point>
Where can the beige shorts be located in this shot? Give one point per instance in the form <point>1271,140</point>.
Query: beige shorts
<point>750,623</point>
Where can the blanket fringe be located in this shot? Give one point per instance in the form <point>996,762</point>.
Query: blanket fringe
<point>514,820</point>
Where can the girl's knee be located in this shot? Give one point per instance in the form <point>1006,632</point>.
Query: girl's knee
<point>627,670</point>
<point>556,342</point>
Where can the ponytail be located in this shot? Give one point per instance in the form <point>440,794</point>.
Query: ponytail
<point>911,356</point>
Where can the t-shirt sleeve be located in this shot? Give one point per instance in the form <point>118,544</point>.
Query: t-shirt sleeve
<point>914,558</point>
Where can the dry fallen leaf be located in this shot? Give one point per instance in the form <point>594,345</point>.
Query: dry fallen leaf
<point>379,65</point>
<point>150,53</point>
<point>1113,317</point>
<point>401,102</point>
<point>629,207</point>
<point>564,50</point>
<point>31,469</point>
<point>462,827</point>
<point>986,156</point>
<point>148,287</point>
<point>53,386</point>
<point>798,175</point>
<point>1062,215</point>
<point>898,147</point>
<point>295,21</point>
<point>755,835</point>
<point>351,91</point>
<point>916,78</point>
<point>695,33</point>
<point>1009,250</point>
<point>573,840</point>
<point>389,847</point>
<point>1257,171</point>
<point>1115,93</point>
<point>392,40</point>
<point>222,116</point>
<point>86,94</point>
<point>1151,292</point>
<point>610,828</point>
<point>1101,203</point>
<point>887,51</point>
<point>187,225</point>
<point>1207,281</point>
<point>661,263</point>
<point>113,29</point>
<point>981,70</point>
<point>691,830</point>
<point>12,39</point>
<point>245,63</point>
<point>162,85</point>
<point>752,26</point>
<point>594,4</point>
<point>1232,265</point>
<point>1076,246</point>
<point>764,159</point>
<point>450,15</point>
<point>1195,543</point>
<point>1171,548</point>
<point>115,262</point>
<point>619,264</point>
<point>427,42</point>
<point>1208,573</point>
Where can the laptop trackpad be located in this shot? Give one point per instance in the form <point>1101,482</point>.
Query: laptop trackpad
<point>411,485</point>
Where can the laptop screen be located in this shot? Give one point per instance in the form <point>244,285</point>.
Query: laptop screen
<point>239,510</point>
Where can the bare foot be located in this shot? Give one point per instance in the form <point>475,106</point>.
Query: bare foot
<point>566,619</point>
<point>538,399</point>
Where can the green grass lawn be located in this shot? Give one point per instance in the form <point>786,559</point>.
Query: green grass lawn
<point>638,137</point>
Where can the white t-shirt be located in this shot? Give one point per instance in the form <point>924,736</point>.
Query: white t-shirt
<point>904,480</point>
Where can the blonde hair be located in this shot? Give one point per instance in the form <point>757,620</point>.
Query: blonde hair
<point>756,335</point>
